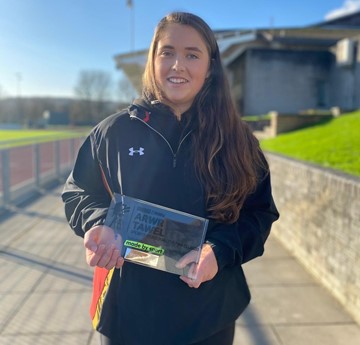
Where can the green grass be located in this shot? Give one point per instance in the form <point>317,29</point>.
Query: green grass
<point>335,144</point>
<point>11,138</point>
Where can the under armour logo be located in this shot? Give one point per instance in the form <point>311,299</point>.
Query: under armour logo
<point>140,151</point>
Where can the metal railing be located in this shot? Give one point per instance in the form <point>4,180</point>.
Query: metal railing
<point>25,170</point>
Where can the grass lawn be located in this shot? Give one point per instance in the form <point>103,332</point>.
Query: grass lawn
<point>9,137</point>
<point>335,144</point>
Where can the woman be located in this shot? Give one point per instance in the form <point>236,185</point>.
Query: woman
<point>181,146</point>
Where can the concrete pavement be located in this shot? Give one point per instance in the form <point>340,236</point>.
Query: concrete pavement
<point>45,289</point>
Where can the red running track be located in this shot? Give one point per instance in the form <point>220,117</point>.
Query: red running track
<point>22,161</point>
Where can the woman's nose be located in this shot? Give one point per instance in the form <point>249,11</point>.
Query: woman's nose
<point>178,65</point>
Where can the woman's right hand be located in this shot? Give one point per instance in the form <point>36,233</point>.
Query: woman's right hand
<point>103,247</point>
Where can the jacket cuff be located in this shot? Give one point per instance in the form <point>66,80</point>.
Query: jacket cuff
<point>91,224</point>
<point>222,253</point>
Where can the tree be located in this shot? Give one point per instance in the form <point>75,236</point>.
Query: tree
<point>2,93</point>
<point>92,93</point>
<point>1,105</point>
<point>126,91</point>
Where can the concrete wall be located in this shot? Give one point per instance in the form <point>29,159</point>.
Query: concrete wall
<point>286,81</point>
<point>320,224</point>
<point>282,123</point>
<point>236,76</point>
<point>346,86</point>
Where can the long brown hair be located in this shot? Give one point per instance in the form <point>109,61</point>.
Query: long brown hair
<point>227,156</point>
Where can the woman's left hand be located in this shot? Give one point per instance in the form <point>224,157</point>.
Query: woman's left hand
<point>199,273</point>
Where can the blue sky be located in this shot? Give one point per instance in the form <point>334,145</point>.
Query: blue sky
<point>44,44</point>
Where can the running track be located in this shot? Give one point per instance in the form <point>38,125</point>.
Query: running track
<point>22,161</point>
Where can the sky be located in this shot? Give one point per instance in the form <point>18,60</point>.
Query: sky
<point>45,44</point>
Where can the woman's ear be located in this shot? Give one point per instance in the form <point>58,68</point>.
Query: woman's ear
<point>208,74</point>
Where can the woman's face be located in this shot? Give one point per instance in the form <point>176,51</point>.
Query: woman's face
<point>181,65</point>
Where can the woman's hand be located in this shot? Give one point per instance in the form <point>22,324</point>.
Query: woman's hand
<point>199,273</point>
<point>103,247</point>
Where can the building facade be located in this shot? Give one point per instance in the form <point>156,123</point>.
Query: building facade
<point>288,70</point>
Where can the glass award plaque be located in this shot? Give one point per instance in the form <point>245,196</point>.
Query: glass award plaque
<point>156,236</point>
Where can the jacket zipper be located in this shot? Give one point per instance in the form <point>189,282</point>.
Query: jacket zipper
<point>174,154</point>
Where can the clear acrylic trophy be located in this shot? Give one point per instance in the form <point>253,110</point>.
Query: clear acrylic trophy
<point>156,236</point>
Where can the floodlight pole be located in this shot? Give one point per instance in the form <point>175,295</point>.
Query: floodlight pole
<point>130,4</point>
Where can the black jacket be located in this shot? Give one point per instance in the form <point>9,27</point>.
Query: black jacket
<point>146,153</point>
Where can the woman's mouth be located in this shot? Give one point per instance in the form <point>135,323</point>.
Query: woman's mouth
<point>177,80</point>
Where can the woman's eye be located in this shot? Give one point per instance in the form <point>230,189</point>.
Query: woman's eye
<point>165,53</point>
<point>192,56</point>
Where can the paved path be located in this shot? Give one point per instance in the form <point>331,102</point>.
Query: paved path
<point>45,289</point>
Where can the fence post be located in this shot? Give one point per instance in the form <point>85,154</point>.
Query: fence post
<point>37,166</point>
<point>72,150</point>
<point>57,158</point>
<point>5,162</point>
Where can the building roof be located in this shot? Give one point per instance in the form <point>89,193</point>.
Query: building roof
<point>233,42</point>
<point>346,21</point>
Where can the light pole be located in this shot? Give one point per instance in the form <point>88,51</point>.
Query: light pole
<point>18,97</point>
<point>130,4</point>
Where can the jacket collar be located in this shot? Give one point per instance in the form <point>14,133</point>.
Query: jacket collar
<point>152,112</point>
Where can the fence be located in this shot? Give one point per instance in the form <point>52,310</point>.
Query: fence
<point>25,170</point>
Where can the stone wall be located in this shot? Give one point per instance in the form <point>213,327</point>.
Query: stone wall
<point>282,123</point>
<point>320,224</point>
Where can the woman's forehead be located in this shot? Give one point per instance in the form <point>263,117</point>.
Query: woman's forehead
<point>181,35</point>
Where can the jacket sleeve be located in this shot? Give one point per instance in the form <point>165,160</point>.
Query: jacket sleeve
<point>242,241</point>
<point>85,196</point>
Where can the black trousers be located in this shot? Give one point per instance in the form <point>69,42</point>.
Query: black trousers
<point>224,337</point>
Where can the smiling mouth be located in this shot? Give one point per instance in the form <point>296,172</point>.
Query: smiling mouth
<point>177,80</point>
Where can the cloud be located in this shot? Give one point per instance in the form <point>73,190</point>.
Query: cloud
<point>349,6</point>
